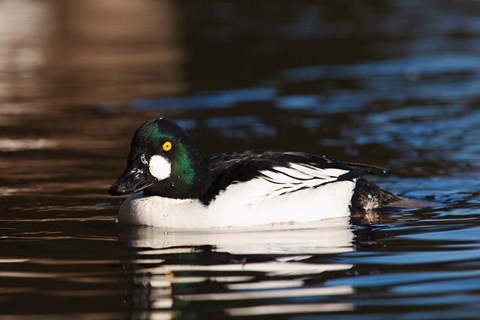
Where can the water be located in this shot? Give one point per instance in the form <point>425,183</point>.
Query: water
<point>395,84</point>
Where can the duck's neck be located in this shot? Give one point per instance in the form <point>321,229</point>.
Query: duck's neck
<point>199,179</point>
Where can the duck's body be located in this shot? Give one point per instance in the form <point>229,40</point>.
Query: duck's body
<point>177,188</point>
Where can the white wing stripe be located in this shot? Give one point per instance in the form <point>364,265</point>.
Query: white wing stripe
<point>297,177</point>
<point>318,172</point>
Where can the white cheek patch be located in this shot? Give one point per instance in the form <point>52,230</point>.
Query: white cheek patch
<point>160,167</point>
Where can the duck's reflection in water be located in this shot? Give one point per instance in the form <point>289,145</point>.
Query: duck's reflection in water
<point>256,271</point>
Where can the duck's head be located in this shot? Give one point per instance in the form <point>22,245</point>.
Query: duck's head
<point>163,161</point>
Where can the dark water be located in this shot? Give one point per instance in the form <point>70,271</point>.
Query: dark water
<point>392,83</point>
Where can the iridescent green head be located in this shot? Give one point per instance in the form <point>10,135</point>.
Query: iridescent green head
<point>163,161</point>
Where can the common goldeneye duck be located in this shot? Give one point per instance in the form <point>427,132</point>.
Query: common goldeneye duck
<point>174,186</point>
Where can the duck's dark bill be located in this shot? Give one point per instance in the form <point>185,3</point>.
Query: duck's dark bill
<point>131,181</point>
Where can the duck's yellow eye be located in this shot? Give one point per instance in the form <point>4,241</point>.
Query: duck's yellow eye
<point>167,146</point>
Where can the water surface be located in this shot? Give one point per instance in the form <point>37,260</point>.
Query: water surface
<point>391,83</point>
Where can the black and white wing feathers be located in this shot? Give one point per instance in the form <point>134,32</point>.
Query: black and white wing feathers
<point>286,171</point>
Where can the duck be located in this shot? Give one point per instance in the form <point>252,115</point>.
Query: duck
<point>171,185</point>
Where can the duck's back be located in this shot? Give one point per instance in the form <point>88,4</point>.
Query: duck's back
<point>290,171</point>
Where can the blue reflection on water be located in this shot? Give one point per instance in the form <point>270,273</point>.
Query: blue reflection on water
<point>411,67</point>
<point>415,258</point>
<point>241,127</point>
<point>456,285</point>
<point>217,99</point>
<point>463,234</point>
<point>397,278</point>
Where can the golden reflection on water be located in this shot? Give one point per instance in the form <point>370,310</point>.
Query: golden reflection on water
<point>25,144</point>
<point>271,309</point>
<point>24,25</point>
<point>91,51</point>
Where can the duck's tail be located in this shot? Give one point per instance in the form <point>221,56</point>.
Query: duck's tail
<point>368,196</point>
